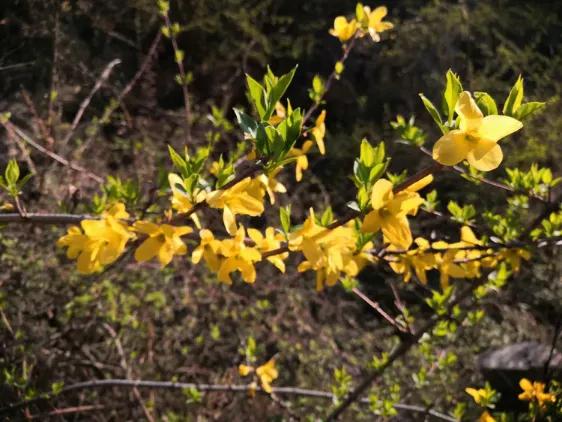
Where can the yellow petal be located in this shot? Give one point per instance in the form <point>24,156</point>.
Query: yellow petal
<point>488,161</point>
<point>496,127</point>
<point>397,231</point>
<point>382,193</point>
<point>371,223</point>
<point>420,184</point>
<point>148,249</point>
<point>229,221</point>
<point>245,370</point>
<point>451,148</point>
<point>378,14</point>
<point>470,114</point>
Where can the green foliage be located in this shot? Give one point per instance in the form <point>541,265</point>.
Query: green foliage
<point>464,214</point>
<point>367,169</point>
<point>408,132</point>
<point>11,181</point>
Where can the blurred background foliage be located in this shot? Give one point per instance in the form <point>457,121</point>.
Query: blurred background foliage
<point>180,323</point>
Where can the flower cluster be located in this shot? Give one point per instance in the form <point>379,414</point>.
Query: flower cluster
<point>366,21</point>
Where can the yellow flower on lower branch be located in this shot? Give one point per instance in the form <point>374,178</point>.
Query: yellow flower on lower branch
<point>534,391</point>
<point>238,257</point>
<point>246,197</point>
<point>390,211</point>
<point>163,241</point>
<point>97,243</point>
<point>416,261</point>
<point>301,158</point>
<point>209,250</point>
<point>269,242</point>
<point>267,373</point>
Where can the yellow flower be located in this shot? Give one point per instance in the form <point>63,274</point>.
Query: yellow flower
<point>343,29</point>
<point>209,249</point>
<point>319,132</point>
<point>514,256</point>
<point>238,257</point>
<point>101,242</point>
<point>451,262</point>
<point>272,185</point>
<point>181,201</point>
<point>486,417</point>
<point>329,252</point>
<point>480,396</point>
<point>246,197</point>
<point>390,211</point>
<point>163,241</point>
<point>267,243</point>
<point>535,391</point>
<point>267,373</point>
<point>477,137</point>
<point>245,370</point>
<point>376,25</point>
<point>416,260</point>
<point>302,159</point>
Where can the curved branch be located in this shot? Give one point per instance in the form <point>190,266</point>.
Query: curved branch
<point>237,388</point>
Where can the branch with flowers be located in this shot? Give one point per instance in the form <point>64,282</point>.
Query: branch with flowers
<point>205,186</point>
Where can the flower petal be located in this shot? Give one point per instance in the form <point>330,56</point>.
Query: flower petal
<point>488,161</point>
<point>382,193</point>
<point>451,148</point>
<point>470,114</point>
<point>496,127</point>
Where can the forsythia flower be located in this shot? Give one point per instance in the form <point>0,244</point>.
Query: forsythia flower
<point>328,252</point>
<point>238,257</point>
<point>535,391</point>
<point>477,137</point>
<point>267,243</point>
<point>267,373</point>
<point>417,260</point>
<point>514,256</point>
<point>272,185</point>
<point>481,396</point>
<point>343,29</point>
<point>101,242</point>
<point>246,197</point>
<point>319,132</point>
<point>302,159</point>
<point>181,201</point>
<point>376,25</point>
<point>163,241</point>
<point>390,211</point>
<point>486,417</point>
<point>209,249</point>
<point>460,251</point>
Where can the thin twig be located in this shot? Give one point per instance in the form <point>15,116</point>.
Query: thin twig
<point>51,154</point>
<point>378,308</point>
<point>100,81</point>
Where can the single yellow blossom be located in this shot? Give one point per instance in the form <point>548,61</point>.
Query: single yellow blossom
<point>514,256</point>
<point>390,211</point>
<point>246,197</point>
<point>318,132</point>
<point>272,185</point>
<point>238,257</point>
<point>267,243</point>
<point>97,243</point>
<point>181,201</point>
<point>267,373</point>
<point>245,370</point>
<point>343,29</point>
<point>208,249</point>
<point>376,25</point>
<point>477,138</point>
<point>535,392</point>
<point>416,261</point>
<point>486,417</point>
<point>302,159</point>
<point>163,241</point>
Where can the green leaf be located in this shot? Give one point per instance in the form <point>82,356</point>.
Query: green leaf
<point>327,217</point>
<point>246,123</point>
<point>433,112</point>
<point>257,95</point>
<point>285,218</point>
<point>177,160</point>
<point>451,94</point>
<point>514,99</point>
<point>486,103</point>
<point>277,92</point>
<point>528,109</point>
<point>12,173</point>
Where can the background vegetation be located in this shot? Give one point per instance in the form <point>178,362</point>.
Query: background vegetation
<point>179,323</point>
